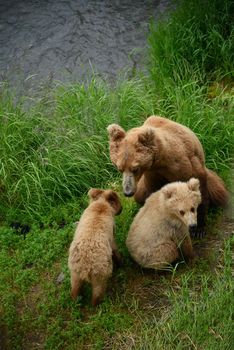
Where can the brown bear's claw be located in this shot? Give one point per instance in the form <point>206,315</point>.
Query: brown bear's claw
<point>197,232</point>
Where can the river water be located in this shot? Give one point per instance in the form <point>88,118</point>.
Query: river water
<point>66,40</point>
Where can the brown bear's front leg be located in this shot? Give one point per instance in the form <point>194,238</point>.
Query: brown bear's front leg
<point>202,210</point>
<point>142,192</point>
<point>200,173</point>
<point>98,291</point>
<point>148,183</point>
<point>200,232</point>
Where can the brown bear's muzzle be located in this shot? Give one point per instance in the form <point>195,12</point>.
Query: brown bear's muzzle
<point>129,184</point>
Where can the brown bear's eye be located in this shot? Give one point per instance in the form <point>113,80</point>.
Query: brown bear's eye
<point>192,209</point>
<point>135,170</point>
<point>182,212</point>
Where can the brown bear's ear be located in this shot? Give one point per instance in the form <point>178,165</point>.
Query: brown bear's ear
<point>168,191</point>
<point>116,133</point>
<point>94,193</point>
<point>194,184</point>
<point>113,200</point>
<point>146,138</point>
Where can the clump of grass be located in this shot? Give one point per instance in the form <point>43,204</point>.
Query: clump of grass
<point>200,315</point>
<point>189,49</point>
<point>54,151</point>
<point>211,120</point>
<point>196,40</point>
<point>47,160</point>
<point>50,160</point>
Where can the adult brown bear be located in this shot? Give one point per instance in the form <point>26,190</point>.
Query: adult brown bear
<point>162,151</point>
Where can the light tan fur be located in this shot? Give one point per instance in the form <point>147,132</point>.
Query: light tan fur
<point>90,253</point>
<point>159,152</point>
<point>160,230</point>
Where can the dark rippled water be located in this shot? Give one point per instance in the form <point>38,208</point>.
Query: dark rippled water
<point>64,39</point>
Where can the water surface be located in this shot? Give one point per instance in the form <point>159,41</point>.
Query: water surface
<point>65,40</point>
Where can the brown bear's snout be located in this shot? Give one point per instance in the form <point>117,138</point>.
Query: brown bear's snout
<point>129,184</point>
<point>129,193</point>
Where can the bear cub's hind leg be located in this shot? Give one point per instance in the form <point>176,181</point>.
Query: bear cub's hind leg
<point>98,291</point>
<point>162,256</point>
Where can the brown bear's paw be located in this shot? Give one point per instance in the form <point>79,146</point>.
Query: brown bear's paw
<point>191,261</point>
<point>197,232</point>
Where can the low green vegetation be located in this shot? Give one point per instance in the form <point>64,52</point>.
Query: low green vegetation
<point>54,148</point>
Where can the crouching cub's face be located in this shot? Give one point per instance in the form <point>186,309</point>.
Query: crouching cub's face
<point>109,196</point>
<point>132,152</point>
<point>182,200</point>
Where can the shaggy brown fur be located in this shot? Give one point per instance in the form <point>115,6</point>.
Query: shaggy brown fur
<point>162,225</point>
<point>90,253</point>
<point>162,151</point>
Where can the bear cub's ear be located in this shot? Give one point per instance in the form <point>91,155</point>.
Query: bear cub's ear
<point>116,133</point>
<point>114,201</point>
<point>146,137</point>
<point>169,191</point>
<point>94,193</point>
<point>194,184</point>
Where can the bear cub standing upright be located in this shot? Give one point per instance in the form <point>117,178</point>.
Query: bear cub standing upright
<point>90,253</point>
<point>161,228</point>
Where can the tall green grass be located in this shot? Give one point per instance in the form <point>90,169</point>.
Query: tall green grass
<point>195,41</point>
<point>54,150</point>
<point>52,158</point>
<point>191,68</point>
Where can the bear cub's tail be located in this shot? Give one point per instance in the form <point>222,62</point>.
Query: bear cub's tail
<point>218,193</point>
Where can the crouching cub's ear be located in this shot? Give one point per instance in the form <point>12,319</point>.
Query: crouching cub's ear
<point>114,201</point>
<point>94,193</point>
<point>169,191</point>
<point>116,133</point>
<point>194,184</point>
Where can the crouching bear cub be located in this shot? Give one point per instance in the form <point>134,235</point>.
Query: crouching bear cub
<point>90,253</point>
<point>160,230</point>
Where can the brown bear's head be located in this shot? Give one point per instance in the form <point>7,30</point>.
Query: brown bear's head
<point>181,201</point>
<point>132,152</point>
<point>108,195</point>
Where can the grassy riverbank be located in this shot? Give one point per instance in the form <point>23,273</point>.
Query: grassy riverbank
<point>55,150</point>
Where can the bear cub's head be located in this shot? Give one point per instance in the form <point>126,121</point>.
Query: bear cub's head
<point>111,197</point>
<point>181,200</point>
<point>132,152</point>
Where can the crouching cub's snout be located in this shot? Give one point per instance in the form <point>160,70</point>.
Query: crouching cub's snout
<point>189,217</point>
